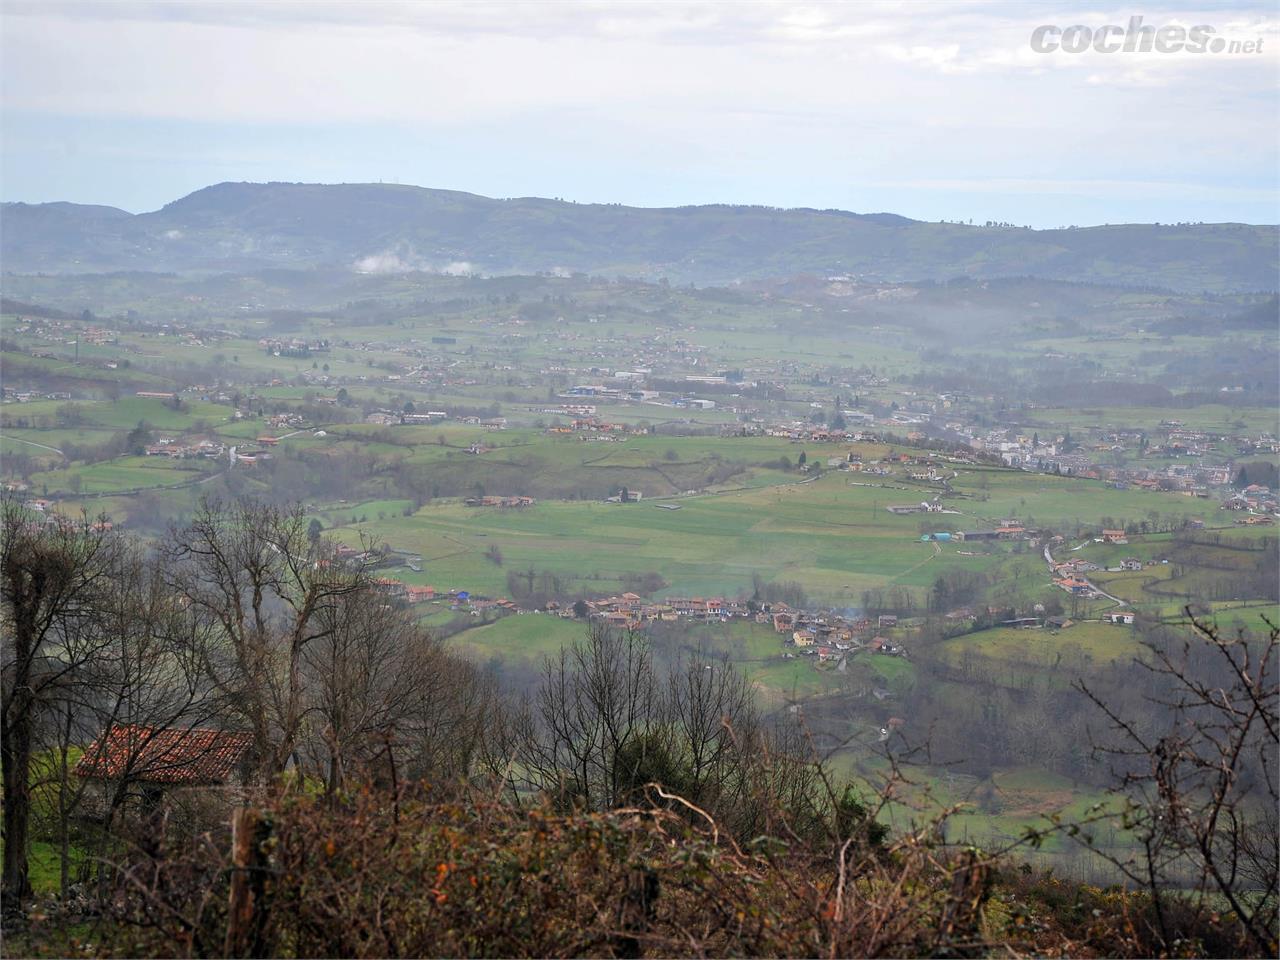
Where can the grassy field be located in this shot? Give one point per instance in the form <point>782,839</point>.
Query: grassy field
<point>1095,644</point>
<point>529,637</point>
<point>123,473</point>
<point>833,537</point>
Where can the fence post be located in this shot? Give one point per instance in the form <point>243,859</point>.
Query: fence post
<point>246,909</point>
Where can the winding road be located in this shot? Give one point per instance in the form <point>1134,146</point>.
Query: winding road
<point>34,444</point>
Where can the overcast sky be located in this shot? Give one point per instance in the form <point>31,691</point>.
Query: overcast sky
<point>933,110</point>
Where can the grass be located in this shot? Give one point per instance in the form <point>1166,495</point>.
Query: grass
<point>127,412</point>
<point>713,545</point>
<point>123,473</point>
<point>45,865</point>
<point>1101,642</point>
<point>529,636</point>
<point>835,538</point>
<point>1055,657</point>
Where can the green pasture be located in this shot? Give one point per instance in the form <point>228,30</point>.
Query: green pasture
<point>1093,641</point>
<point>527,636</point>
<point>834,538</point>
<point>1211,417</point>
<point>123,473</point>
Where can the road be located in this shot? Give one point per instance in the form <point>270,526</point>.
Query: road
<point>34,444</point>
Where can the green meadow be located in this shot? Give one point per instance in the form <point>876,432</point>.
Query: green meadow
<point>835,538</point>
<point>121,474</point>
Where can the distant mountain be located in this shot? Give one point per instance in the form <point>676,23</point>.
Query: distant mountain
<point>388,228</point>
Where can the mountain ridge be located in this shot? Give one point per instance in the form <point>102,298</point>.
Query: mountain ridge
<point>234,226</point>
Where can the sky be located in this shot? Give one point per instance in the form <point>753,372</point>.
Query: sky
<point>934,110</point>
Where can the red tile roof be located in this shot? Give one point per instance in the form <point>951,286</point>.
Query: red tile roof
<point>164,755</point>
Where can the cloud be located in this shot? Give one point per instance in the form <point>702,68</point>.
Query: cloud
<point>448,63</point>
<point>774,102</point>
<point>391,262</point>
<point>379,263</point>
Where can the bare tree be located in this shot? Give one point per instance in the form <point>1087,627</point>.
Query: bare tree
<point>596,700</point>
<point>52,576</point>
<point>376,683</point>
<point>139,664</point>
<point>266,591</point>
<point>710,708</point>
<point>1199,774</point>
<point>603,726</point>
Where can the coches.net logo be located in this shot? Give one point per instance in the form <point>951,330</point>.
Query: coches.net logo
<point>1137,38</point>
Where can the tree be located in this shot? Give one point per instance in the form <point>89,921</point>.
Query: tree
<point>137,439</point>
<point>265,592</point>
<point>1258,471</point>
<point>604,726</point>
<point>803,458</point>
<point>580,609</point>
<point>314,529</point>
<point>594,704</point>
<point>1196,769</point>
<point>376,692</point>
<point>52,580</point>
<point>139,669</point>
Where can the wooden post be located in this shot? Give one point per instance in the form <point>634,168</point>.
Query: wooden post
<point>637,908</point>
<point>246,911</point>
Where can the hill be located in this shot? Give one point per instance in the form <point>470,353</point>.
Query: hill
<point>391,228</point>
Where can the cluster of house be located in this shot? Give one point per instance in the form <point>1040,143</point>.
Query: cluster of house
<point>281,421</point>
<point>820,434</point>
<point>185,449</point>
<point>99,336</point>
<point>824,635</point>
<point>595,425</point>
<point>631,610</point>
<point>1074,567</point>
<point>1255,498</point>
<point>503,502</point>
<point>413,594</point>
<point>10,395</point>
<point>393,418</point>
<point>1197,476</point>
<point>830,637</point>
<point>292,346</point>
